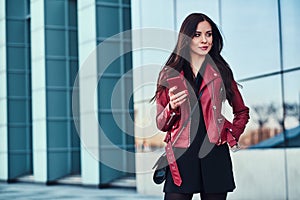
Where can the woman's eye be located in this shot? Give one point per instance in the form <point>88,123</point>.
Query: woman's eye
<point>208,34</point>
<point>197,35</point>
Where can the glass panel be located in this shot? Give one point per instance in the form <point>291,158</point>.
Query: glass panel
<point>108,174</point>
<point>111,131</point>
<point>129,115</point>
<point>108,23</point>
<point>72,13</point>
<point>129,126</point>
<point>290,32</point>
<point>114,67</point>
<point>76,162</point>
<point>17,111</point>
<point>57,134</point>
<point>105,88</point>
<point>56,73</point>
<point>28,7</point>
<point>28,32</point>
<point>126,1</point>
<point>128,62</point>
<point>127,57</point>
<point>292,108</point>
<point>55,43</point>
<point>16,84</point>
<point>15,31</point>
<point>126,19</point>
<point>56,103</point>
<point>251,43</point>
<point>18,165</point>
<point>111,53</point>
<point>74,135</point>
<point>29,115</point>
<point>128,93</point>
<point>15,8</point>
<point>73,72</point>
<point>73,43</point>
<point>28,89</point>
<point>108,1</point>
<point>28,55</point>
<point>263,97</point>
<point>55,12</point>
<point>55,170</point>
<point>17,138</point>
<point>16,58</point>
<point>130,143</point>
<point>74,102</point>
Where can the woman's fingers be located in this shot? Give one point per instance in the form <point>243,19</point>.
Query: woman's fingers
<point>172,90</point>
<point>177,99</point>
<point>182,94</point>
<point>180,102</point>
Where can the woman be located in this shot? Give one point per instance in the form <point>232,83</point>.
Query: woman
<point>200,145</point>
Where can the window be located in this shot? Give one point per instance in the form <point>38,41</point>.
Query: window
<point>56,103</point>
<point>108,22</point>
<point>56,73</point>
<point>55,43</point>
<point>57,7</point>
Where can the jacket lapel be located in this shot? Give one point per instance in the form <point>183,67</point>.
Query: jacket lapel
<point>210,74</point>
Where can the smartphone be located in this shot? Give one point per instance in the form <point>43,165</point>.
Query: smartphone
<point>178,82</point>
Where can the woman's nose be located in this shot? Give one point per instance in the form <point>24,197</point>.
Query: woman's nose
<point>203,39</point>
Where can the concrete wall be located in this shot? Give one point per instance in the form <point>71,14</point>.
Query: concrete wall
<point>259,174</point>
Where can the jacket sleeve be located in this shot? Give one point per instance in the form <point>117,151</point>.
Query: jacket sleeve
<point>165,117</point>
<point>241,114</point>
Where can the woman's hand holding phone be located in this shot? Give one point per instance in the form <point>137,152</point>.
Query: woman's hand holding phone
<point>176,99</point>
<point>177,92</point>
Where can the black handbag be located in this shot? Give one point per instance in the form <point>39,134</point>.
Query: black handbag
<point>161,166</point>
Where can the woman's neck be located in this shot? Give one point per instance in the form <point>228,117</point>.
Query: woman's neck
<point>196,63</point>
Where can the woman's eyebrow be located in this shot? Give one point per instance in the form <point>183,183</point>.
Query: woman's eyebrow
<point>206,31</point>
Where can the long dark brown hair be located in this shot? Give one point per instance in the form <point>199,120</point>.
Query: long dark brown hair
<point>179,58</point>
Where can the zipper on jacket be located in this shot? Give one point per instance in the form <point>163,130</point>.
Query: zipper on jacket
<point>172,116</point>
<point>189,133</point>
<point>214,108</point>
<point>183,127</point>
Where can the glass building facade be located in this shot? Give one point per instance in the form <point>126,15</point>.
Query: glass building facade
<point>42,45</point>
<point>262,52</point>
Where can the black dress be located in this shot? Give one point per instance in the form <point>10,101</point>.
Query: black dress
<point>200,171</point>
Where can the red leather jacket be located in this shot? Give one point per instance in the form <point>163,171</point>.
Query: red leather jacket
<point>219,129</point>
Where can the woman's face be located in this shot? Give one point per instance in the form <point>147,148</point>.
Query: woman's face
<point>202,41</point>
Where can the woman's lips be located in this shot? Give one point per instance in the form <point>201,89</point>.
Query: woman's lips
<point>204,48</point>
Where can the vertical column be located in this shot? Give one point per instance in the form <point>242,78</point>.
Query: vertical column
<point>39,123</point>
<point>88,100</point>
<point>54,63</point>
<point>16,97</point>
<point>3,97</point>
<point>115,77</point>
<point>72,72</point>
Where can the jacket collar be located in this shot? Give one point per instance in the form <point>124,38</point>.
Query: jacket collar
<point>210,74</point>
